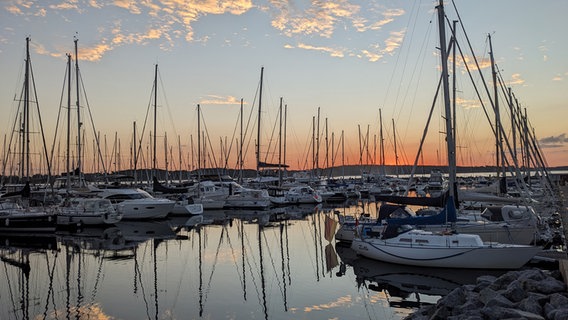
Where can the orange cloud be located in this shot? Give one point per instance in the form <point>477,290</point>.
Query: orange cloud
<point>394,41</point>
<point>129,5</point>
<point>93,53</point>
<point>318,19</point>
<point>69,5</point>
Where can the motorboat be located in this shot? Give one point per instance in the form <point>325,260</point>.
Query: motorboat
<point>298,195</point>
<point>136,204</point>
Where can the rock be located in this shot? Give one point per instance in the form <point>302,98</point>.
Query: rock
<point>558,314</point>
<point>559,300</point>
<point>550,285</point>
<point>442,312</point>
<point>487,295</point>
<point>528,294</point>
<point>533,274</point>
<point>508,313</point>
<point>503,281</point>
<point>470,315</point>
<point>470,305</point>
<point>500,301</point>
<point>531,304</point>
<point>456,297</point>
<point>484,282</point>
<point>514,292</point>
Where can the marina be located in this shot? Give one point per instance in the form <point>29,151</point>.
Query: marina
<point>279,263</point>
<point>246,221</point>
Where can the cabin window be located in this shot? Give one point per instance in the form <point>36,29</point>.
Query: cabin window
<point>421,241</point>
<point>405,240</point>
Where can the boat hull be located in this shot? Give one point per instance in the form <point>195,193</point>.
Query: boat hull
<point>145,209</point>
<point>28,222</point>
<point>486,257</point>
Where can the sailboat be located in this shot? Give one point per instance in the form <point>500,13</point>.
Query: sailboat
<point>406,245</point>
<point>76,210</point>
<point>16,214</point>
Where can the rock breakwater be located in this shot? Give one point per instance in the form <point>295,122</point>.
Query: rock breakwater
<point>521,294</point>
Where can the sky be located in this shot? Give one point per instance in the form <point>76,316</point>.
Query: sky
<point>337,68</point>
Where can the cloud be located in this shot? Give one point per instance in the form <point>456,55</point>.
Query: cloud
<point>129,5</point>
<point>163,21</point>
<point>14,10</point>
<point>220,100</point>
<point>95,4</point>
<point>376,52</point>
<point>65,5</point>
<point>544,50</point>
<point>554,141</point>
<point>360,23</point>
<point>320,18</point>
<point>93,53</point>
<point>470,62</point>
<point>371,56</point>
<point>334,52</point>
<point>516,79</point>
<point>467,104</point>
<point>166,21</point>
<point>393,41</point>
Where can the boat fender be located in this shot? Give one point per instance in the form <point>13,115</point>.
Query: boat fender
<point>7,222</point>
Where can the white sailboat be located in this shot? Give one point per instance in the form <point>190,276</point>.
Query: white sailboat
<point>76,210</point>
<point>403,244</point>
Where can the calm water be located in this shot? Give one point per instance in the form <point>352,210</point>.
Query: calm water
<point>275,264</point>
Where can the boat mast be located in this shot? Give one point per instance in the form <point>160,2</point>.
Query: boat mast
<point>342,156</point>
<point>198,143</point>
<point>135,153</point>
<point>285,126</point>
<point>68,158</point>
<point>448,112</point>
<point>79,162</point>
<point>155,115</point>
<point>318,145</point>
<point>326,146</point>
<point>395,150</point>
<point>280,146</point>
<point>498,147</point>
<point>179,159</point>
<point>258,126</point>
<point>25,171</point>
<point>382,145</point>
<point>241,147</point>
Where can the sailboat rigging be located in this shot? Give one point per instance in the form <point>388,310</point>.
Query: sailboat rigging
<point>21,142</point>
<point>406,245</point>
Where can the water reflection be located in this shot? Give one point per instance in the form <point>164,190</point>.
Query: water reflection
<point>239,264</point>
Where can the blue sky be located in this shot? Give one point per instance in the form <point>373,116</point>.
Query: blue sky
<point>347,58</point>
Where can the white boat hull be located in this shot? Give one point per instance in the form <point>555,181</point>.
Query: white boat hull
<point>145,209</point>
<point>486,257</point>
<point>182,208</point>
